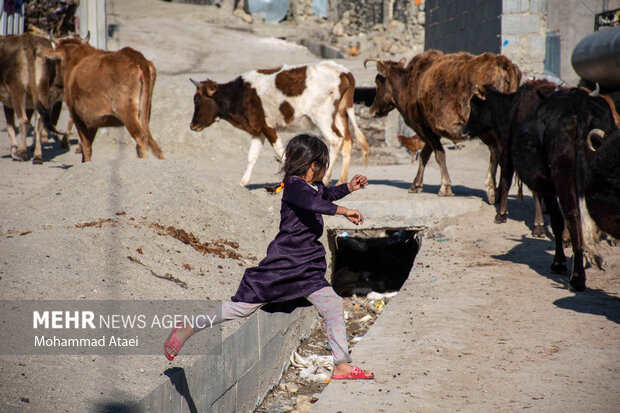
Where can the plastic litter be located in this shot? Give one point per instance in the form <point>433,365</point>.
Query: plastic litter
<point>373,295</point>
<point>343,234</point>
<point>433,279</point>
<point>313,367</point>
<point>366,318</point>
<point>357,339</point>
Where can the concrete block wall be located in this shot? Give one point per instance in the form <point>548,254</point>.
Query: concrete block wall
<point>523,33</point>
<point>252,361</point>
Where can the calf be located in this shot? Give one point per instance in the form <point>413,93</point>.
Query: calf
<point>432,94</point>
<point>550,156</point>
<point>26,82</point>
<point>106,89</point>
<point>262,102</point>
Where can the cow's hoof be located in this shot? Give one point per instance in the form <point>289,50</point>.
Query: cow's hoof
<point>445,191</point>
<point>45,139</point>
<point>78,149</point>
<point>37,160</point>
<point>500,218</point>
<point>20,155</point>
<point>415,189</point>
<point>595,259</point>
<point>577,283</point>
<point>559,268</point>
<point>64,143</point>
<point>539,231</point>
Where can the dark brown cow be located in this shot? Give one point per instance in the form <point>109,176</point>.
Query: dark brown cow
<point>432,94</point>
<point>106,89</point>
<point>26,82</point>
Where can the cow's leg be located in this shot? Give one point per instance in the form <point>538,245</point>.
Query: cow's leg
<point>341,122</point>
<point>346,161</point>
<point>335,146</point>
<point>505,181</point>
<point>425,154</point>
<point>37,157</point>
<point>56,109</point>
<point>18,98</point>
<point>539,222</point>
<point>9,115</point>
<point>87,136</point>
<point>276,143</point>
<point>138,133</point>
<point>570,207</point>
<point>255,147</point>
<point>446,185</point>
<point>591,235</point>
<point>558,266</point>
<point>490,184</point>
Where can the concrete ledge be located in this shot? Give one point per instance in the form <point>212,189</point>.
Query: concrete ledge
<point>252,361</point>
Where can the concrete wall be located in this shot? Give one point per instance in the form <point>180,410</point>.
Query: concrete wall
<point>523,34</point>
<point>252,361</point>
<point>463,25</point>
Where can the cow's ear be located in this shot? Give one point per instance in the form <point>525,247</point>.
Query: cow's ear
<point>479,92</point>
<point>211,88</point>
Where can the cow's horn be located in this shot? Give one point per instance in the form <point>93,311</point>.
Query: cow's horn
<point>598,132</point>
<point>53,39</point>
<point>371,59</point>
<point>196,83</point>
<point>87,38</point>
<point>595,91</point>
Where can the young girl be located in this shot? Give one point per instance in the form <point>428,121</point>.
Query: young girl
<point>295,264</point>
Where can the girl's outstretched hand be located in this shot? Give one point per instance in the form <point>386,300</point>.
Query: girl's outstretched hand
<point>358,182</point>
<point>354,216</point>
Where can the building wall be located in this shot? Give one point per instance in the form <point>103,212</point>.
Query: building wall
<point>573,20</point>
<point>524,29</point>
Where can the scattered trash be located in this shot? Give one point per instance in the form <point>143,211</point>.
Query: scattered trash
<point>291,388</point>
<point>433,279</point>
<point>313,367</point>
<point>375,305</point>
<point>357,339</point>
<point>344,234</point>
<point>373,295</point>
<point>366,318</point>
<point>443,239</point>
<point>346,315</point>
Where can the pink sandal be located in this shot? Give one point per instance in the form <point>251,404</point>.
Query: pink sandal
<point>355,374</point>
<point>174,343</point>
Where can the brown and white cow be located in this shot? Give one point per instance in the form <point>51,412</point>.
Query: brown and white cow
<point>26,82</point>
<point>106,89</point>
<point>262,102</point>
<point>432,94</point>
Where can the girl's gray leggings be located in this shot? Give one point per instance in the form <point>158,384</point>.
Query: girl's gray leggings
<point>327,302</point>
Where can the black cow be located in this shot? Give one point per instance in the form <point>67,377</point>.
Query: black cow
<point>550,154</point>
<point>602,186</point>
<point>501,114</point>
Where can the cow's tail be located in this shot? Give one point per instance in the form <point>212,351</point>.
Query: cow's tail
<point>149,74</point>
<point>359,137</point>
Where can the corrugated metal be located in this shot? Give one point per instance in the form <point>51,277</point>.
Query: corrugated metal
<point>11,23</point>
<point>552,53</point>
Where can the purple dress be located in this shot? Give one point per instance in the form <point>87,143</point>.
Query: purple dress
<point>295,263</point>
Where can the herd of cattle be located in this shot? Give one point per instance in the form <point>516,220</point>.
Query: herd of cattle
<point>563,143</point>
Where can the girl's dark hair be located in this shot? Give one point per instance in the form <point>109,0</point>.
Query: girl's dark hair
<point>300,153</point>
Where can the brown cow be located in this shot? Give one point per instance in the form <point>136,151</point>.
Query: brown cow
<point>432,94</point>
<point>26,82</point>
<point>106,89</point>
